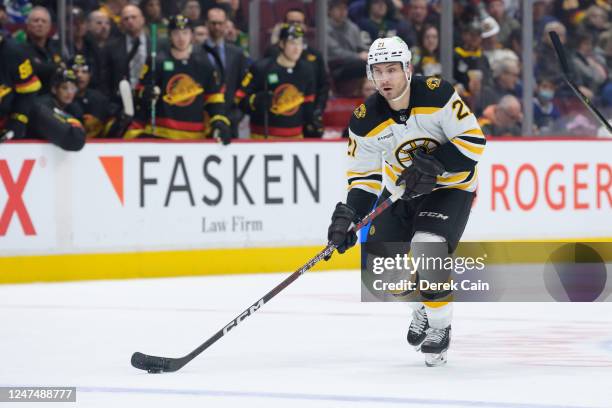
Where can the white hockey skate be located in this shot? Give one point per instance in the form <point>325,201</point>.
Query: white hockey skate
<point>435,345</point>
<point>418,328</point>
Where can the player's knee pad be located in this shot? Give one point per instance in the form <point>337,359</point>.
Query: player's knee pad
<point>422,236</point>
<point>431,253</point>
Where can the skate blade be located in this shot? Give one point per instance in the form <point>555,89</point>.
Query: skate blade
<point>435,360</point>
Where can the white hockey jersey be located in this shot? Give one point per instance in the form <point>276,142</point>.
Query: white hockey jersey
<point>382,141</point>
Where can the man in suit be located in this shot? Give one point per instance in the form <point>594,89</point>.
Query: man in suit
<point>228,59</point>
<point>126,54</point>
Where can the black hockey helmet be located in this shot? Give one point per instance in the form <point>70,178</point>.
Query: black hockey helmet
<point>63,75</point>
<point>291,32</point>
<point>179,22</point>
<point>79,61</point>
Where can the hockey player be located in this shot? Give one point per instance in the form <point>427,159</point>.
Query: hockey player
<point>278,92</point>
<point>185,85</point>
<point>18,87</point>
<point>55,117</point>
<point>415,132</point>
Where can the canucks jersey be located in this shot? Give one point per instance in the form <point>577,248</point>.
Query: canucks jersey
<point>382,141</point>
<point>190,89</point>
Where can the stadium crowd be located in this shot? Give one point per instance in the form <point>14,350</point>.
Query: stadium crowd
<point>203,83</point>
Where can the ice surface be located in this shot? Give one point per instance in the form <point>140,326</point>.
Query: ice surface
<point>314,345</point>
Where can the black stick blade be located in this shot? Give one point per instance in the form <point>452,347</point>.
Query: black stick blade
<point>556,42</point>
<point>152,364</point>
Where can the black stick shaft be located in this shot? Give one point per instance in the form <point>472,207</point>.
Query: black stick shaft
<point>145,362</point>
<point>560,51</point>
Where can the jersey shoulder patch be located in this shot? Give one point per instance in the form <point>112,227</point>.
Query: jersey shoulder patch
<point>369,115</point>
<point>430,92</point>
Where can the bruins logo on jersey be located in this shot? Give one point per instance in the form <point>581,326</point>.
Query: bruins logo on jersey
<point>406,150</point>
<point>360,111</point>
<point>433,83</point>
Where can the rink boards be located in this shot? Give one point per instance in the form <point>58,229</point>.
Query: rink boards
<point>150,209</point>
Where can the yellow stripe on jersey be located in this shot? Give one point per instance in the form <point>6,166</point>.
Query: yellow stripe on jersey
<point>455,178</point>
<point>473,132</point>
<point>372,186</point>
<point>468,146</point>
<point>424,110</point>
<point>380,127</point>
<point>351,174</point>
<point>469,185</point>
<point>391,174</point>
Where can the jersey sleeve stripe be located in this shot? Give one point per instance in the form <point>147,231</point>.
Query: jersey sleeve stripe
<point>468,146</point>
<point>380,128</point>
<point>475,131</point>
<point>372,177</point>
<point>455,178</point>
<point>392,176</point>
<point>476,140</point>
<point>361,174</point>
<point>424,110</point>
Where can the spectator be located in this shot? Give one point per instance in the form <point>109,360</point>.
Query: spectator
<point>541,17</point>
<point>200,34</point>
<point>367,89</point>
<point>497,10</point>
<point>152,12</point>
<point>470,65</point>
<point>99,27</point>
<point>94,105</point>
<point>506,75</point>
<point>237,37</point>
<point>84,44</point>
<point>126,54</point>
<point>235,13</point>
<point>495,51</point>
<point>193,11</point>
<point>18,85</point>
<point>381,22</point>
<point>590,67</point>
<point>545,112</point>
<point>278,93</point>
<point>545,53</point>
<point>51,117</point>
<point>418,16</point>
<point>112,9</point>
<point>228,59</point>
<point>503,119</point>
<point>595,22</point>
<point>314,58</point>
<point>346,51</point>
<point>43,52</point>
<point>426,58</point>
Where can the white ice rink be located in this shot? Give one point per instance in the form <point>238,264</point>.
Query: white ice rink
<point>314,345</point>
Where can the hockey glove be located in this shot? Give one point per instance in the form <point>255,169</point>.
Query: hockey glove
<point>221,132</point>
<point>315,127</point>
<point>420,177</point>
<point>338,233</point>
<point>14,129</point>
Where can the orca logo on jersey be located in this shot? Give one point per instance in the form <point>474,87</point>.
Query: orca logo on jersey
<point>406,150</point>
<point>181,90</point>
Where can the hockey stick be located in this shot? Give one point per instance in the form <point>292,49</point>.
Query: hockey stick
<point>154,364</point>
<point>554,37</point>
<point>153,79</point>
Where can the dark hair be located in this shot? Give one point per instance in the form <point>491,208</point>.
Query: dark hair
<point>294,10</point>
<point>580,37</point>
<point>421,39</point>
<point>218,7</point>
